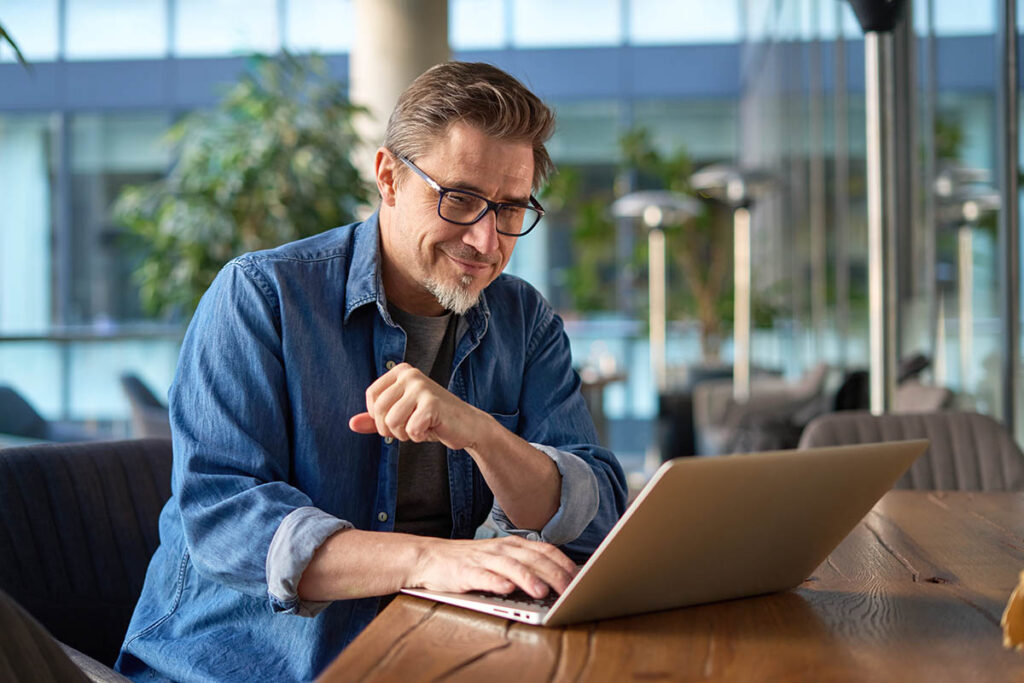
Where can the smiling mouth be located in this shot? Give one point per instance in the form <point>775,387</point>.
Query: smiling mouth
<point>474,267</point>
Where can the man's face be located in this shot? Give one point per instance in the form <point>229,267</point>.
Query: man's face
<point>429,264</point>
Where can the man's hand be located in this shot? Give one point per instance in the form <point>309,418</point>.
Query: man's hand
<point>497,565</point>
<point>406,404</point>
<point>357,564</point>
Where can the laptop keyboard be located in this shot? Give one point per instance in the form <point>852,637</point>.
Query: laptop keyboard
<point>521,598</point>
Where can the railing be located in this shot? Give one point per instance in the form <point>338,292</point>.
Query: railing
<point>72,373</point>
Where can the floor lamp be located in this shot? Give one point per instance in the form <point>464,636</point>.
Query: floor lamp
<point>964,199</point>
<point>656,208</point>
<point>738,188</point>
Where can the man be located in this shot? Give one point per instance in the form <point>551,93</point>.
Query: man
<point>349,408</point>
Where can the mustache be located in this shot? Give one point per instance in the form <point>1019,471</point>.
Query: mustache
<point>464,252</point>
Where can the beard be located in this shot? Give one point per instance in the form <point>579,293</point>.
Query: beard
<point>457,297</point>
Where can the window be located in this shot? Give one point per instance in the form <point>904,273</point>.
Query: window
<point>205,28</point>
<point>683,21</point>
<point>25,232</point>
<point>107,29</point>
<point>108,152</point>
<point>541,23</point>
<point>33,24</point>
<point>319,25</point>
<point>476,24</point>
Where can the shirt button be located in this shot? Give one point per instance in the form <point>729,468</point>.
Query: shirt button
<point>382,516</point>
<point>389,439</point>
<point>390,364</point>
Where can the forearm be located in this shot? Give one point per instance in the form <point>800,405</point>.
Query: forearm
<point>358,564</point>
<point>526,483</point>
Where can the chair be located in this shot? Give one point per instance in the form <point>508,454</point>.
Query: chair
<point>854,392</point>
<point>968,451</point>
<point>19,418</point>
<point>718,418</point>
<point>79,525</point>
<point>28,652</point>
<point>149,414</point>
<point>913,397</point>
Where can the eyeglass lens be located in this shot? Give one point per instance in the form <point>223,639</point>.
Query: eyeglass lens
<point>464,208</point>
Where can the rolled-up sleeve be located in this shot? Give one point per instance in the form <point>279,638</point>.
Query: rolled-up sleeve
<point>554,418</point>
<point>228,404</point>
<point>577,505</point>
<point>292,548</point>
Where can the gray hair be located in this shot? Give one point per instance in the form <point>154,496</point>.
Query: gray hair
<point>475,93</point>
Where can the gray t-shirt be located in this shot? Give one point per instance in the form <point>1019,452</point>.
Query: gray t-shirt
<point>424,495</point>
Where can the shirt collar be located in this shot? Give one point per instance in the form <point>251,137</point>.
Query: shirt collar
<point>365,284</point>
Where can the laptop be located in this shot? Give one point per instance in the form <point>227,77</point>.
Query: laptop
<point>706,529</point>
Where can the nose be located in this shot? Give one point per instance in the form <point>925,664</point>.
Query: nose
<point>483,235</point>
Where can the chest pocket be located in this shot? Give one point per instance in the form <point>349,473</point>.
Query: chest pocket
<point>507,420</point>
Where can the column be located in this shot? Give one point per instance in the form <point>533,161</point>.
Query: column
<point>396,41</point>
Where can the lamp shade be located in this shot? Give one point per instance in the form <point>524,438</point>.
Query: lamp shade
<point>733,185</point>
<point>656,207</point>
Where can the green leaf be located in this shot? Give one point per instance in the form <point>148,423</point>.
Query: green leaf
<point>272,163</point>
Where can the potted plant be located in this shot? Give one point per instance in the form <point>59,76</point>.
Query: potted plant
<point>270,164</point>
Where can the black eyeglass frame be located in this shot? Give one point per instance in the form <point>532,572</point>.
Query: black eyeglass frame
<point>441,190</point>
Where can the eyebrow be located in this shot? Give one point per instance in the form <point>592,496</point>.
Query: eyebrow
<point>460,185</point>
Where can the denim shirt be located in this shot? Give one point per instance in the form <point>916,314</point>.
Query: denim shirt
<point>277,358</point>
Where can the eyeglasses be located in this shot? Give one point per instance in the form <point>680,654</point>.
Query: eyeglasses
<point>463,207</point>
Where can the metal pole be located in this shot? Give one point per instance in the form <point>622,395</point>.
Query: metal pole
<point>842,194</point>
<point>1009,216</point>
<point>965,308</point>
<point>880,101</point>
<point>931,225</point>
<point>819,253</point>
<point>656,292</point>
<point>741,307</point>
<point>940,373</point>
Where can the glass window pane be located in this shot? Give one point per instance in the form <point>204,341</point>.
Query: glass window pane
<point>683,21</point>
<point>33,24</point>
<point>541,23</point>
<point>33,369</point>
<point>223,27</point>
<point>587,132</point>
<point>25,175</point>
<point>705,129</point>
<point>108,152</point>
<point>94,368</point>
<point>99,29</point>
<point>320,25</point>
<point>959,18</point>
<point>476,24</point>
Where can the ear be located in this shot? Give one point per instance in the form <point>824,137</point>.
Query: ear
<point>386,173</point>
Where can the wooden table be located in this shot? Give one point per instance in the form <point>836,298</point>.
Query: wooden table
<point>915,592</point>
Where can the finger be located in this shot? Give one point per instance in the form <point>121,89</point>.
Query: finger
<point>382,383</point>
<point>559,558</point>
<point>480,579</point>
<point>362,423</point>
<point>519,573</point>
<point>423,421</point>
<point>383,404</point>
<point>545,561</point>
<point>398,415</point>
<point>552,572</point>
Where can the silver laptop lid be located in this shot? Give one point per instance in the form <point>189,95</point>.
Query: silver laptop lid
<point>714,528</point>
<point>721,527</point>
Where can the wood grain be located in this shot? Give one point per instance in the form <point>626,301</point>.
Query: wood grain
<point>913,593</point>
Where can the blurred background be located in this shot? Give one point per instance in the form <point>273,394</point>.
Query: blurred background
<point>143,143</point>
